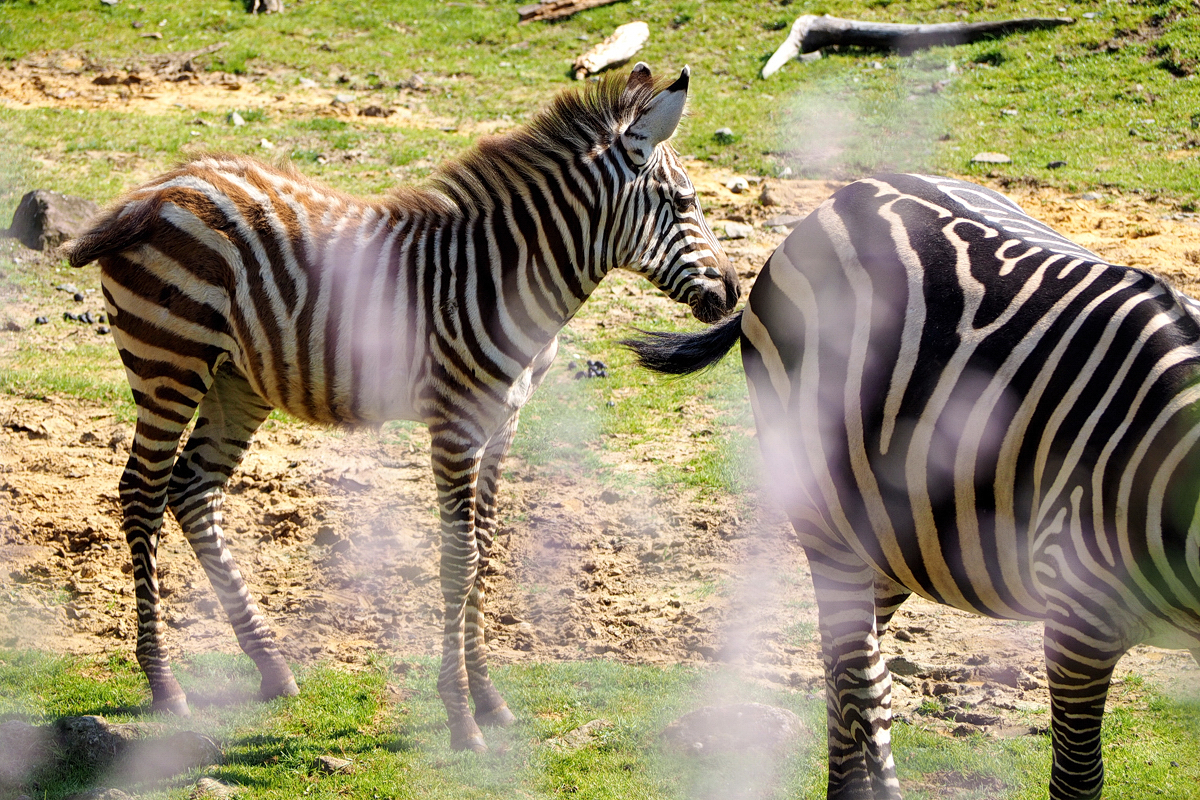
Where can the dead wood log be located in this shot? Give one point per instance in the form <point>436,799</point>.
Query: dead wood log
<point>811,33</point>
<point>618,48</point>
<point>557,9</point>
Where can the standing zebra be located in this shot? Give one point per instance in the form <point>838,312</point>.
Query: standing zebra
<point>956,401</point>
<point>234,288</point>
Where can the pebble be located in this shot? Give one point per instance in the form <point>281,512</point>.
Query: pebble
<point>308,83</point>
<point>344,99</point>
<point>990,158</point>
<point>78,297</point>
<point>737,185</point>
<point>331,764</point>
<point>723,135</point>
<point>1056,164</point>
<point>783,221</point>
<point>235,119</point>
<point>40,321</point>
<point>69,288</point>
<point>1091,196</point>
<point>737,230</point>
<point>102,330</point>
<point>266,144</point>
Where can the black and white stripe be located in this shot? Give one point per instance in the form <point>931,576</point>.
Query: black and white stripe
<point>234,288</point>
<point>956,401</point>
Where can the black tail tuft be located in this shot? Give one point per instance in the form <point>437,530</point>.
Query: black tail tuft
<point>121,229</point>
<point>685,353</point>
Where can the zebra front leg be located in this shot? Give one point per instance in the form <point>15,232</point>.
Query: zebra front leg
<point>1079,667</point>
<point>858,686</point>
<point>229,415</point>
<point>456,470</point>
<point>490,708</point>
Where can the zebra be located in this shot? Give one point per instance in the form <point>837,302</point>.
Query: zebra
<point>953,400</point>
<point>235,288</point>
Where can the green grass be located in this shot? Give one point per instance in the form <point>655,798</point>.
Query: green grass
<point>400,748</point>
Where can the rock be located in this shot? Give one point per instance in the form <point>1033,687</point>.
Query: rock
<point>266,144</point>
<point>78,297</point>
<point>41,321</point>
<point>69,288</point>
<point>580,737</point>
<point>210,787</point>
<point>737,230</point>
<point>102,330</point>
<point>343,99</point>
<point>376,111</point>
<point>733,729</point>
<point>110,2</point>
<point>737,185</point>
<point>331,765</point>
<point>767,197</point>
<point>307,83</point>
<point>24,750</point>
<point>723,135</point>
<point>990,158</point>
<point>236,120</point>
<point>44,219</point>
<point>783,221</point>
<point>902,666</point>
<point>1093,196</point>
<point>1056,164</point>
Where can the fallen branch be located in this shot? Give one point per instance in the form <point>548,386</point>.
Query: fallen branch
<point>557,9</point>
<point>810,33</point>
<point>618,48</point>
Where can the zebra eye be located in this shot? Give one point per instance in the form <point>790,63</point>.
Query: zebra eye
<point>684,204</point>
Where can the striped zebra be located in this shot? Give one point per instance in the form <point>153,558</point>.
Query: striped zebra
<point>956,401</point>
<point>234,288</point>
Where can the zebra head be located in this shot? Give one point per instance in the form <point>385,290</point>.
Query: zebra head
<point>663,233</point>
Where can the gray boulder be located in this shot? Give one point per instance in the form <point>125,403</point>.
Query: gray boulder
<point>44,219</point>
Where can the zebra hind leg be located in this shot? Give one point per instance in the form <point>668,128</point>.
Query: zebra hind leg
<point>490,708</point>
<point>229,415</point>
<point>1079,670</point>
<point>858,686</point>
<point>889,596</point>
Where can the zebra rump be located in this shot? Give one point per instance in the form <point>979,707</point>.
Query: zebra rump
<point>953,400</point>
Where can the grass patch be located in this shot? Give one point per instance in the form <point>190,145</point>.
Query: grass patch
<point>400,749</point>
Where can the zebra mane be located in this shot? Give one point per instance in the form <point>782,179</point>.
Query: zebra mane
<point>577,122</point>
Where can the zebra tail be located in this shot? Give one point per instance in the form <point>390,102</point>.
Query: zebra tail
<point>685,353</point>
<point>125,227</point>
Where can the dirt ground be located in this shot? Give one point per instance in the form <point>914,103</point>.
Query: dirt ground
<point>336,533</point>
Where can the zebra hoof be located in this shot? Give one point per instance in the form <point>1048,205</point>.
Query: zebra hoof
<point>499,717</point>
<point>467,737</point>
<point>278,688</point>
<point>175,704</point>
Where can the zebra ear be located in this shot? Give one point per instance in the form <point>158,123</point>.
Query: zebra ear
<point>658,122</point>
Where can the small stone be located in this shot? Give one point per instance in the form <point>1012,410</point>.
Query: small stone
<point>737,185</point>
<point>307,83</point>
<point>1056,164</point>
<point>109,2</point>
<point>343,99</point>
<point>1092,196</point>
<point>376,111</point>
<point>1009,112</point>
<point>69,317</point>
<point>78,297</point>
<point>212,788</point>
<point>737,230</point>
<point>40,321</point>
<point>902,666</point>
<point>332,765</point>
<point>86,318</point>
<point>724,135</point>
<point>783,221</point>
<point>102,330</point>
<point>990,158</point>
<point>236,120</point>
<point>1090,15</point>
<point>69,288</point>
<point>266,144</point>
